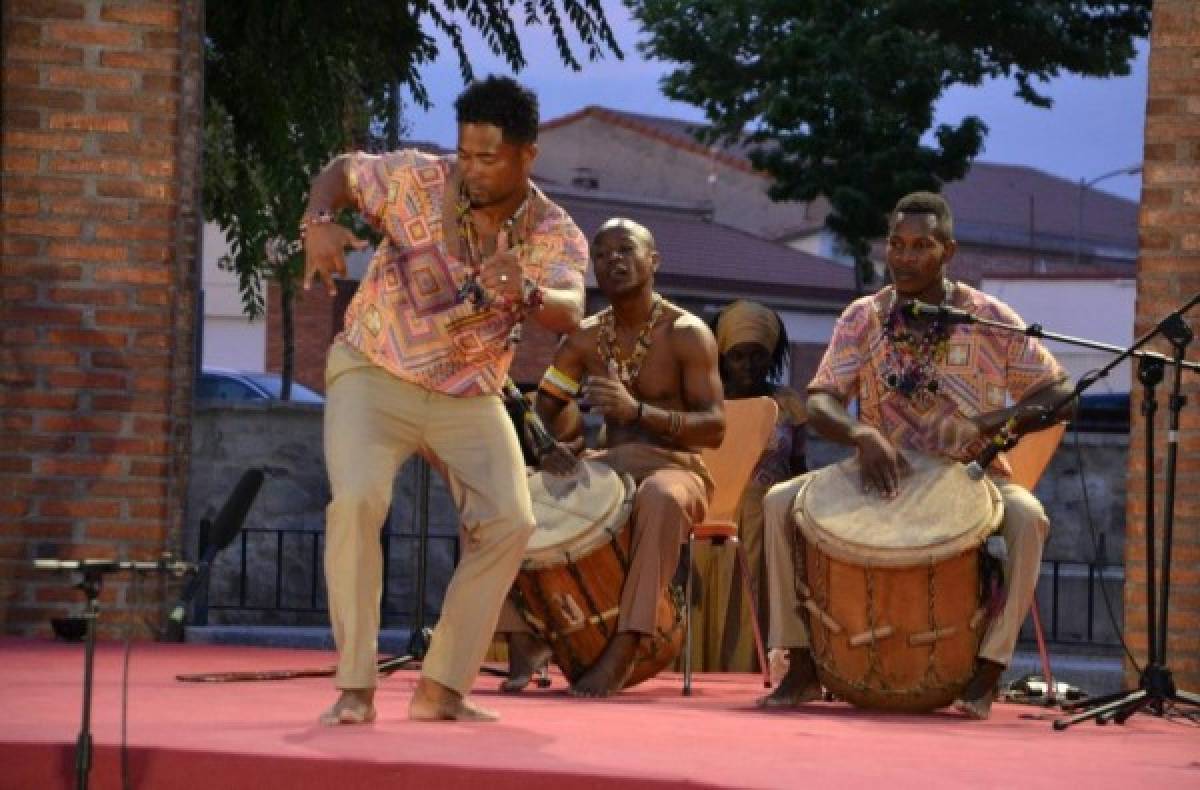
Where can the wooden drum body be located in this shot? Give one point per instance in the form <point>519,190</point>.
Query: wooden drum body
<point>569,587</point>
<point>891,588</point>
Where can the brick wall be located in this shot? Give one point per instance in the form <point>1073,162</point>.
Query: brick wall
<point>100,150</point>
<point>1168,275</point>
<point>317,318</point>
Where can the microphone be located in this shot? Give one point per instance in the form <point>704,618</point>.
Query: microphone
<point>221,533</point>
<point>944,313</point>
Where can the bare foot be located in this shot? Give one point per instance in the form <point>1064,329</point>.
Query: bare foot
<point>526,655</point>
<point>434,702</point>
<point>977,698</point>
<point>608,675</point>
<point>799,683</point>
<point>355,706</point>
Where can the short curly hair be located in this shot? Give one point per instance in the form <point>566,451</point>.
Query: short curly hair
<point>502,102</point>
<point>926,203</point>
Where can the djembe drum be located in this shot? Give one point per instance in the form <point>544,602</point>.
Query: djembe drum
<point>569,586</point>
<point>892,588</point>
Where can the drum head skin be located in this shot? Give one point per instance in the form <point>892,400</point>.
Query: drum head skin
<point>938,513</point>
<point>576,514</point>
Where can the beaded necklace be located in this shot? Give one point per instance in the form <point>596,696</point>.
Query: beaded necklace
<point>472,290</point>
<point>610,350</point>
<point>910,364</point>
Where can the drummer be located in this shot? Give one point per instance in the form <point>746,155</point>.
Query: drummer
<point>924,385</point>
<point>650,368</point>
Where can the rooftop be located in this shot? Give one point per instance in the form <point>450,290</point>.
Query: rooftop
<point>994,203</point>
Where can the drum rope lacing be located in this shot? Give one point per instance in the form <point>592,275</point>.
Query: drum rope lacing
<point>584,590</point>
<point>822,648</point>
<point>931,673</point>
<point>562,641</point>
<point>874,669</point>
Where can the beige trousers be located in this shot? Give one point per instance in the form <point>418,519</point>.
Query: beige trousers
<point>373,423</point>
<point>672,495</point>
<point>1024,529</point>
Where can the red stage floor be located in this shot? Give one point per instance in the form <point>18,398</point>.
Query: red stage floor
<point>263,735</point>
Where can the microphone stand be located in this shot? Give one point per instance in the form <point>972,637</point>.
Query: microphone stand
<point>90,584</point>
<point>418,638</point>
<point>1156,686</point>
<point>93,578</point>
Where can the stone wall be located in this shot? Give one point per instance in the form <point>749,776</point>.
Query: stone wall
<point>285,439</point>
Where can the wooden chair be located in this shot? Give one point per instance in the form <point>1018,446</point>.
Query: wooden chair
<point>1029,459</point>
<point>749,423</point>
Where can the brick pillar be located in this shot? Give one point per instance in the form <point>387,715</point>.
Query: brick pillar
<point>1168,275</point>
<point>100,157</point>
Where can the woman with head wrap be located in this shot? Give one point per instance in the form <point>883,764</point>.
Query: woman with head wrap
<point>753,347</point>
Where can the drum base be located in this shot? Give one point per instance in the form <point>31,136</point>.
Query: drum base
<point>898,639</point>
<point>895,701</point>
<point>575,607</point>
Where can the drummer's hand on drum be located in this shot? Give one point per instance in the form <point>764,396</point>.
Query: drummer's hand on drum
<point>562,459</point>
<point>608,395</point>
<point>881,463</point>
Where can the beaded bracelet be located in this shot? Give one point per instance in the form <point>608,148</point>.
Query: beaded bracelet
<point>674,423</point>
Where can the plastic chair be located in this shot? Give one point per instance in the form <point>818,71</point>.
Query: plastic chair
<point>749,423</point>
<point>1029,459</point>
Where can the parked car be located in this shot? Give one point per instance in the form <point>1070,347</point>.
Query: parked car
<point>216,384</point>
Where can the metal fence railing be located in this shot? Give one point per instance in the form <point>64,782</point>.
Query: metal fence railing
<point>1070,598</point>
<point>275,576</point>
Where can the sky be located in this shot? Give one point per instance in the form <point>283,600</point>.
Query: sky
<point>1094,128</point>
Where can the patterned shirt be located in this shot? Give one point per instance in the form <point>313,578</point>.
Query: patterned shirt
<point>982,368</point>
<point>406,316</point>
<point>787,441</point>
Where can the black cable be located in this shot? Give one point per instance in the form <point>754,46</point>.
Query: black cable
<point>125,682</point>
<point>1184,718</point>
<point>1097,554</point>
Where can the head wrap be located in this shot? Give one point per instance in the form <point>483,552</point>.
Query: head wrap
<point>747,322</point>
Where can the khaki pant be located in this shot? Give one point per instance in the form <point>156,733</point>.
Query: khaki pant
<point>1024,529</point>
<point>374,422</point>
<point>672,495</point>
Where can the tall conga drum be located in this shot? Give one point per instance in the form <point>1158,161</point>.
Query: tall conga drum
<point>569,586</point>
<point>893,588</point>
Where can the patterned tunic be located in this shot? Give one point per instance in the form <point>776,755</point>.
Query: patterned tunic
<point>406,317</point>
<point>788,440</point>
<point>983,368</point>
